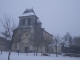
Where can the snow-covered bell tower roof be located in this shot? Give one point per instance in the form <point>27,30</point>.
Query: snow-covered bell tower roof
<point>28,12</point>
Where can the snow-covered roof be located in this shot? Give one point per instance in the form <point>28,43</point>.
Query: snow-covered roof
<point>66,39</point>
<point>28,11</point>
<point>28,14</point>
<point>66,44</point>
<point>67,35</point>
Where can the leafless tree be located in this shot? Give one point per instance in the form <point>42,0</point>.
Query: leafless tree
<point>57,43</point>
<point>38,39</point>
<point>8,25</point>
<point>47,41</point>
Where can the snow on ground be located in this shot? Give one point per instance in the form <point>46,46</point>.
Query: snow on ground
<point>30,56</point>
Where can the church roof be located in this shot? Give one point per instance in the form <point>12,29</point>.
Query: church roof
<point>67,35</point>
<point>28,12</point>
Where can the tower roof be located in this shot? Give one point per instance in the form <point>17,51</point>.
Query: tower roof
<point>28,12</point>
<point>67,35</point>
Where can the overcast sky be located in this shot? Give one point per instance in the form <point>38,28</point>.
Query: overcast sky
<point>57,16</point>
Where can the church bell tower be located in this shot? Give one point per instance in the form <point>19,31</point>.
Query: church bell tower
<point>28,18</point>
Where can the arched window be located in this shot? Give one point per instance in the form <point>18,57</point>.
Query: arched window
<point>23,21</point>
<point>29,21</point>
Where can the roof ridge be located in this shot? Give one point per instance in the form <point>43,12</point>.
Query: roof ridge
<point>28,11</point>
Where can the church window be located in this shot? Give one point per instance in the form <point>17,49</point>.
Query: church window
<point>23,21</point>
<point>29,21</point>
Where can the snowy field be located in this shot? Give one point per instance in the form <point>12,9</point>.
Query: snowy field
<point>30,56</point>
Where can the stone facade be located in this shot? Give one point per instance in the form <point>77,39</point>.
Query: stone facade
<point>29,30</point>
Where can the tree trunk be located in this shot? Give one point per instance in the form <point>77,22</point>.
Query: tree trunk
<point>18,53</point>
<point>49,54</point>
<point>75,52</point>
<point>41,53</point>
<point>27,53</point>
<point>56,50</point>
<point>36,51</point>
<point>9,55</point>
<point>66,51</point>
<point>1,52</point>
<point>10,50</point>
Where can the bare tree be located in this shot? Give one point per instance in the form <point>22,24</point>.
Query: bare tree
<point>8,25</point>
<point>38,39</point>
<point>57,43</point>
<point>47,41</point>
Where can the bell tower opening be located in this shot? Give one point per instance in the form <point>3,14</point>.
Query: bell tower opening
<point>23,22</point>
<point>28,18</point>
<point>29,21</point>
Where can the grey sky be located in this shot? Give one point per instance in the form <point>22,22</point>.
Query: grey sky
<point>57,16</point>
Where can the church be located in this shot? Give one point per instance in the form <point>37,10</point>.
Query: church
<point>29,36</point>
